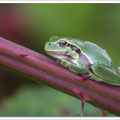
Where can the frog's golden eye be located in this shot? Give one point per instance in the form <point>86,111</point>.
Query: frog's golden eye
<point>62,43</point>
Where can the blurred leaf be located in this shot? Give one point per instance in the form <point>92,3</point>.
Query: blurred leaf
<point>36,101</point>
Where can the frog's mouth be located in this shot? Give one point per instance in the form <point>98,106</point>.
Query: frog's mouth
<point>57,53</point>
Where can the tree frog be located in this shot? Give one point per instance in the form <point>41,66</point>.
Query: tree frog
<point>84,58</point>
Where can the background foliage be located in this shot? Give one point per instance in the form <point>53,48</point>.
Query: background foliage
<point>33,24</point>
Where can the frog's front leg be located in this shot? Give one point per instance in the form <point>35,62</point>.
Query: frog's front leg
<point>78,67</point>
<point>105,74</point>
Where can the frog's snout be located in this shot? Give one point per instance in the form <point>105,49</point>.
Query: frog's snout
<point>50,46</point>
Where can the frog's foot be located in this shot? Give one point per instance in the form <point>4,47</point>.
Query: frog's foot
<point>82,77</point>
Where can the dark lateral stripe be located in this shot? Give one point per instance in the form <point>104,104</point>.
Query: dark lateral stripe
<point>74,48</point>
<point>83,58</point>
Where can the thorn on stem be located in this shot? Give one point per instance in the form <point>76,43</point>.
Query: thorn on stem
<point>82,104</point>
<point>23,55</point>
<point>80,95</point>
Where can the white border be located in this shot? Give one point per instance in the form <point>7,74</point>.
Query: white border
<point>62,1</point>
<point>59,118</point>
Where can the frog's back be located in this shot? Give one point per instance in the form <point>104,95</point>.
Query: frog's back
<point>94,53</point>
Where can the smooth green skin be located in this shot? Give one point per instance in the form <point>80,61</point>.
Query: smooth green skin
<point>102,66</point>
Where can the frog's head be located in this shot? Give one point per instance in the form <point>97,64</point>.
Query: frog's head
<point>61,48</point>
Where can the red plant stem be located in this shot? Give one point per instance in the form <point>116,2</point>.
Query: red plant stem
<point>40,68</point>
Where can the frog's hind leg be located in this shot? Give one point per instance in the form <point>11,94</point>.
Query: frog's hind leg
<point>105,74</point>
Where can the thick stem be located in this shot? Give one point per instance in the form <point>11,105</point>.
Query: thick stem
<point>38,67</point>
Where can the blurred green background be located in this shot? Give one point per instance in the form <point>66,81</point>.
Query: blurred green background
<point>31,25</point>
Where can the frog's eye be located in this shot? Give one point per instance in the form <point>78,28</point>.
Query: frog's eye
<point>62,43</point>
<point>49,43</point>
